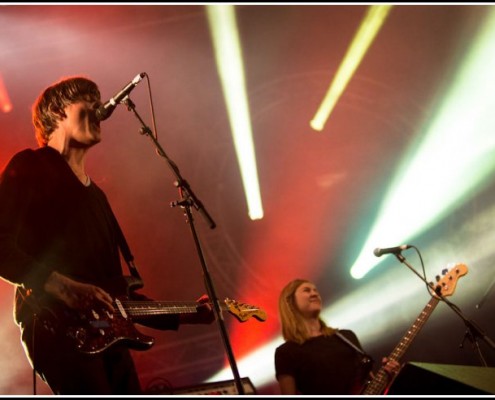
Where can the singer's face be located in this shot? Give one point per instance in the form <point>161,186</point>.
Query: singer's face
<point>308,300</point>
<point>81,125</point>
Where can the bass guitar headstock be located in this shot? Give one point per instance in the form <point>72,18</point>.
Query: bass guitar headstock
<point>243,311</point>
<point>446,285</point>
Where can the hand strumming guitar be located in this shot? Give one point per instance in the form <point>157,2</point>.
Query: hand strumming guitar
<point>77,295</point>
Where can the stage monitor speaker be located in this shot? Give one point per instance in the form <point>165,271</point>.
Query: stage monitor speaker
<point>443,379</point>
<point>216,388</point>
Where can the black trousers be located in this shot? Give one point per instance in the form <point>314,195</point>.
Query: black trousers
<point>70,372</point>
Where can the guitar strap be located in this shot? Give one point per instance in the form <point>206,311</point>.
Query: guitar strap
<point>126,251</point>
<point>365,368</point>
<point>344,339</point>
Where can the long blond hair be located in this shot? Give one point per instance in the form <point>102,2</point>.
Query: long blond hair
<point>293,327</point>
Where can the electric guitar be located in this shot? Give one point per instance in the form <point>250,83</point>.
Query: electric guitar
<point>94,331</point>
<point>446,287</point>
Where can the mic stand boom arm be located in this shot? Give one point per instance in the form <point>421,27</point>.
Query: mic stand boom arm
<point>473,331</point>
<point>188,199</point>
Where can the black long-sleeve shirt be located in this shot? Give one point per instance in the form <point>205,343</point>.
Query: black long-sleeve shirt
<point>50,221</point>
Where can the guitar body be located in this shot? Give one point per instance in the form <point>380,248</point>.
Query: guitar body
<point>363,379</point>
<point>94,331</point>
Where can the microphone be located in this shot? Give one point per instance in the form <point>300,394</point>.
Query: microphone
<point>104,111</point>
<point>391,250</point>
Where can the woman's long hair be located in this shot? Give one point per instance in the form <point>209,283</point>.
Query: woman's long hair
<point>293,327</point>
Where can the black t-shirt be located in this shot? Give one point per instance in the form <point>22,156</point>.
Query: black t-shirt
<point>322,365</point>
<point>50,221</point>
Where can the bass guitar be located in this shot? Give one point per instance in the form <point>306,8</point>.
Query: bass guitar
<point>446,287</point>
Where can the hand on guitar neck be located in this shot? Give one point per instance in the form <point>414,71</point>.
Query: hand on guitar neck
<point>391,366</point>
<point>203,315</point>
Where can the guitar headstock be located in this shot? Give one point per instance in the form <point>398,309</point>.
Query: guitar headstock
<point>243,311</point>
<point>446,285</point>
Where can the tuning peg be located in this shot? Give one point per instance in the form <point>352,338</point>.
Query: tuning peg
<point>444,271</point>
<point>437,277</point>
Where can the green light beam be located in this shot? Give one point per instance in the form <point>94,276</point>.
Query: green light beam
<point>455,157</point>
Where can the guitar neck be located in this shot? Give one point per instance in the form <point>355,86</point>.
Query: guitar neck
<point>140,308</point>
<point>380,381</point>
<point>150,308</point>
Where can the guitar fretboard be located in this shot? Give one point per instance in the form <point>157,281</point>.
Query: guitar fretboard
<point>148,308</point>
<point>141,308</point>
<point>379,383</point>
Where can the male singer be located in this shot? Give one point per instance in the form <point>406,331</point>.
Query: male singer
<point>59,246</point>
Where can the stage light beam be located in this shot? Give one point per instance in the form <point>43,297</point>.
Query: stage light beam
<point>451,160</point>
<point>228,55</point>
<point>5,103</point>
<point>369,28</point>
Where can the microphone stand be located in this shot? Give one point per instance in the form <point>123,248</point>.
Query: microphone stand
<point>478,306</point>
<point>187,200</point>
<point>473,331</point>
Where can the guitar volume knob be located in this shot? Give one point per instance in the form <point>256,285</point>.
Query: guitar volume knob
<point>78,334</point>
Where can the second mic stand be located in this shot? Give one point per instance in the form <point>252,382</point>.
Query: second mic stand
<point>473,331</point>
<point>485,296</point>
<point>188,200</point>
